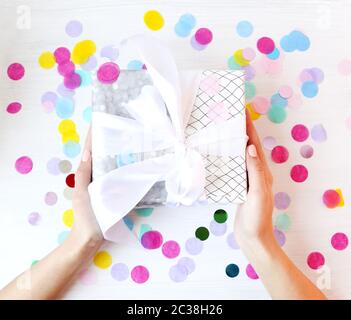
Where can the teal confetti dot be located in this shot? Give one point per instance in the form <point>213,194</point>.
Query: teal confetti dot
<point>277,114</point>
<point>278,101</point>
<point>34,263</point>
<point>232,64</point>
<point>274,55</point>
<point>244,29</point>
<point>85,77</point>
<point>282,222</point>
<point>232,270</point>
<point>144,212</point>
<point>309,89</point>
<point>64,108</point>
<point>250,90</point>
<point>71,149</point>
<point>144,228</point>
<point>128,222</point>
<point>135,65</point>
<point>62,236</point>
<point>87,113</point>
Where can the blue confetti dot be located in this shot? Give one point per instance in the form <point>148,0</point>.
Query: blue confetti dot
<point>233,65</point>
<point>188,20</point>
<point>124,159</point>
<point>182,30</point>
<point>232,270</point>
<point>87,114</point>
<point>274,55</point>
<point>71,149</point>
<point>62,236</point>
<point>278,101</point>
<point>85,77</point>
<point>135,65</point>
<point>309,89</point>
<point>295,40</point>
<point>286,44</point>
<point>244,29</point>
<point>64,108</point>
<point>128,222</point>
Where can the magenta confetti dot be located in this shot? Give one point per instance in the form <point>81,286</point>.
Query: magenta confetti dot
<point>53,166</point>
<point>331,198</point>
<point>188,263</point>
<point>120,272</point>
<point>203,36</point>
<point>280,154</point>
<point>14,107</point>
<point>34,218</point>
<point>62,55</point>
<point>50,198</point>
<point>72,81</point>
<point>218,229</point>
<point>15,71</point>
<point>193,246</point>
<point>66,68</point>
<point>171,249</point>
<point>108,72</point>
<point>232,241</point>
<point>178,273</point>
<point>339,241</point>
<point>281,200</point>
<point>299,173</point>
<point>279,236</point>
<point>315,260</point>
<point>74,28</point>
<point>306,151</point>
<point>265,45</point>
<point>140,274</point>
<point>24,165</point>
<point>299,133</point>
<point>151,239</point>
<point>251,273</point>
<point>285,92</point>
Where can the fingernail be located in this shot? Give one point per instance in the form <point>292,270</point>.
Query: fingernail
<point>86,155</point>
<point>251,149</point>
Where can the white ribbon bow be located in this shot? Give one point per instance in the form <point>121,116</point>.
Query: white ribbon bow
<point>116,193</point>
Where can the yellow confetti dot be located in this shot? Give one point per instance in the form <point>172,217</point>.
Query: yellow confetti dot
<point>253,114</point>
<point>68,218</point>
<point>341,203</point>
<point>66,126</point>
<point>239,58</point>
<point>103,260</point>
<point>47,60</point>
<point>153,20</point>
<point>82,51</point>
<point>70,136</point>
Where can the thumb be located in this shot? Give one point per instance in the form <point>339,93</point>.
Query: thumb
<point>255,168</point>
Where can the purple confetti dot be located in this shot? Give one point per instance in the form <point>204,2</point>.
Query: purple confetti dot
<point>196,45</point>
<point>74,28</point>
<point>120,272</point>
<point>90,65</point>
<point>65,92</point>
<point>318,133</point>
<point>50,198</point>
<point>188,263</point>
<point>249,72</point>
<point>317,75</point>
<point>281,200</point>
<point>232,241</point>
<point>53,166</point>
<point>34,218</point>
<point>193,246</point>
<point>178,273</point>
<point>218,229</point>
<point>110,52</point>
<point>306,151</point>
<point>49,96</point>
<point>280,237</point>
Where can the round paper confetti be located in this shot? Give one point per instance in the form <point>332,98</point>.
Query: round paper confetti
<point>70,180</point>
<point>153,20</point>
<point>90,64</point>
<point>244,28</point>
<point>315,260</point>
<point>34,218</point>
<point>140,274</point>
<point>68,218</point>
<point>306,151</point>
<point>220,216</point>
<point>282,222</point>
<point>309,89</point>
<point>66,68</point>
<point>299,173</point>
<point>193,246</point>
<point>295,40</point>
<point>253,114</point>
<point>68,193</point>
<point>151,240</point>
<point>102,260</point>
<point>87,114</point>
<point>187,263</point>
<point>269,142</point>
<point>331,198</point>
<point>14,107</point>
<point>279,237</point>
<point>218,229</point>
<point>277,114</point>
<point>260,104</point>
<point>171,249</point>
<point>203,36</point>
<point>108,73</point>
<point>53,166</point>
<point>178,273</point>
<point>47,60</point>
<point>62,55</point>
<point>249,53</point>
<point>279,154</point>
<point>196,45</point>
<point>64,108</point>
<point>62,236</point>
<point>299,133</point>
<point>318,133</point>
<point>232,270</point>
<point>278,101</point>
<point>82,51</point>
<point>250,90</point>
<point>285,92</point>
<point>265,45</point>
<point>274,55</point>
<point>135,65</point>
<point>65,166</point>
<point>339,241</point>
<point>232,242</point>
<point>110,52</point>
<point>71,149</point>
<point>120,272</point>
<point>202,233</point>
<point>50,198</point>
<point>251,273</point>
<point>24,165</point>
<point>15,71</point>
<point>239,58</point>
<point>281,200</point>
<point>72,81</point>
<point>74,28</point>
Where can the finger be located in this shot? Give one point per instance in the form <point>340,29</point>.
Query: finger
<point>256,170</point>
<point>83,174</point>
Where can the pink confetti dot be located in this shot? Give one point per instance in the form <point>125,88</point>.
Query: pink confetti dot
<point>140,274</point>
<point>299,133</point>
<point>339,241</point>
<point>171,249</point>
<point>281,200</point>
<point>151,239</point>
<point>279,154</point>
<point>251,273</point>
<point>66,68</point>
<point>24,165</point>
<point>285,92</point>
<point>72,81</point>
<point>331,198</point>
<point>344,67</point>
<point>315,260</point>
<point>62,55</point>
<point>306,151</point>
<point>108,72</point>
<point>249,54</point>
<point>269,142</point>
<point>265,45</point>
<point>260,104</point>
<point>203,36</point>
<point>34,218</point>
<point>14,107</point>
<point>299,173</point>
<point>15,71</point>
<point>50,198</point>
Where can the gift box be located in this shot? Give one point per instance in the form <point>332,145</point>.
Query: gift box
<point>166,137</point>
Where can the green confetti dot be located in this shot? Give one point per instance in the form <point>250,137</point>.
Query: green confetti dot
<point>144,212</point>
<point>232,65</point>
<point>282,222</point>
<point>144,228</point>
<point>250,90</point>
<point>202,233</point>
<point>277,114</point>
<point>220,216</point>
<point>34,262</point>
<point>232,270</point>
